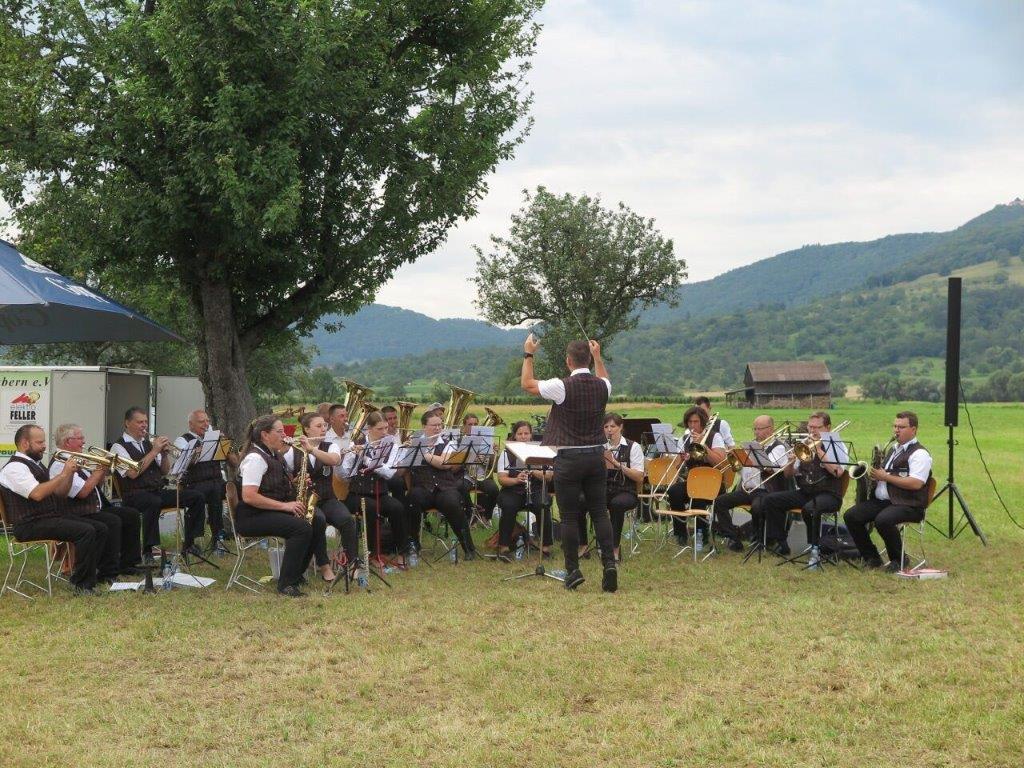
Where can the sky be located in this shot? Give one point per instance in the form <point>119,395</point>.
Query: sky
<point>750,128</point>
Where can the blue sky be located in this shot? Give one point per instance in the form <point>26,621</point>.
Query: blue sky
<point>747,129</point>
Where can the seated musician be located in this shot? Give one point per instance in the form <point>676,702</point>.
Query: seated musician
<point>146,489</point>
<point>721,426</point>
<point>520,489</point>
<point>86,498</point>
<point>486,488</point>
<point>696,421</point>
<point>267,505</point>
<point>207,478</point>
<point>754,486</point>
<point>337,420</point>
<point>368,484</point>
<point>818,491</point>
<point>624,460</point>
<point>322,458</point>
<point>900,495</point>
<point>437,485</point>
<point>36,506</point>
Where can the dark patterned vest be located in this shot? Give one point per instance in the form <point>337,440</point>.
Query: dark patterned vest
<point>814,478</point>
<point>617,480</point>
<point>431,478</point>
<point>151,479</point>
<point>577,419</point>
<point>777,483</point>
<point>901,466</point>
<point>84,506</point>
<point>202,471</point>
<point>275,484</point>
<point>22,510</point>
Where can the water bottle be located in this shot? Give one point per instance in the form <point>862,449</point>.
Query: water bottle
<point>698,541</point>
<point>168,576</point>
<point>453,551</point>
<point>496,516</point>
<point>520,547</point>
<point>559,573</point>
<point>362,578</point>
<point>413,559</point>
<point>814,562</point>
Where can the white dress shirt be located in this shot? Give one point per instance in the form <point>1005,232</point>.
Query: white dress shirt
<point>554,389</point>
<point>386,470</point>
<point>920,467</point>
<point>751,476</point>
<point>289,461</point>
<point>121,451</point>
<point>726,432</point>
<point>18,478</point>
<point>77,483</point>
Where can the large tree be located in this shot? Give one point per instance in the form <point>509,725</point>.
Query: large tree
<point>274,160</point>
<point>568,261</point>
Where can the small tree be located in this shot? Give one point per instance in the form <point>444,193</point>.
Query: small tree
<point>567,259</point>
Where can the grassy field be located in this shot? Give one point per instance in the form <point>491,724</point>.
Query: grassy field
<point>712,664</point>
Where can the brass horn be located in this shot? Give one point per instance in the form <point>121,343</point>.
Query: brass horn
<point>492,419</point>
<point>405,410</point>
<point>458,404</point>
<point>357,426</point>
<point>354,395</point>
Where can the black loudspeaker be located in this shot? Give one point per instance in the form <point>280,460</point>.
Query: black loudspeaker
<point>953,353</point>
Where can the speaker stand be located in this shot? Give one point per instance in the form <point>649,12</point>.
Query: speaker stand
<point>956,527</point>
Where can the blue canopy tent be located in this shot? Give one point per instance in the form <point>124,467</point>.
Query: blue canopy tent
<point>39,306</point>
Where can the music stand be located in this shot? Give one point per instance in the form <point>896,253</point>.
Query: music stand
<point>753,455</point>
<point>214,449</point>
<point>484,447</point>
<point>540,457</point>
<point>187,456</point>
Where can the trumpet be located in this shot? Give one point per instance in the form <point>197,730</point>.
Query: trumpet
<point>93,461</point>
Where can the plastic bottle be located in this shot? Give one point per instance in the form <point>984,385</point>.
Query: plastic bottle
<point>698,541</point>
<point>520,547</point>
<point>414,558</point>
<point>362,578</point>
<point>814,561</point>
<point>168,575</point>
<point>496,516</point>
<point>453,551</point>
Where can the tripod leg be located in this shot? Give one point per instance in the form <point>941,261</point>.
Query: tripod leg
<point>953,489</point>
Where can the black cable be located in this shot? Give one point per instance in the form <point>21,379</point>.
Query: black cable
<point>963,400</point>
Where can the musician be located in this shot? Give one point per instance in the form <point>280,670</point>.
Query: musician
<point>146,490</point>
<point>322,458</point>
<point>323,410</point>
<point>86,497</point>
<point>624,461</point>
<point>369,483</point>
<point>819,488</point>
<point>574,425</point>
<point>267,505</point>
<point>436,485</point>
<point>720,427</point>
<point>521,489</point>
<point>337,418</point>
<point>36,506</point>
<point>696,422</point>
<point>900,496</point>
<point>206,477</point>
<point>391,414</point>
<point>487,489</point>
<point>754,486</point>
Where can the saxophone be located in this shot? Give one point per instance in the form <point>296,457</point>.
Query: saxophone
<point>303,491</point>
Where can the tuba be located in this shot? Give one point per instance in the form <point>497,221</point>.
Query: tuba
<point>458,404</point>
<point>492,419</point>
<point>366,409</point>
<point>405,410</point>
<point>354,395</point>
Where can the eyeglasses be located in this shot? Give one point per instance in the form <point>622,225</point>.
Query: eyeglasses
<point>901,426</point>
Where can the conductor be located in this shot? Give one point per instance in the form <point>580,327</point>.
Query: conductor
<point>574,430</point>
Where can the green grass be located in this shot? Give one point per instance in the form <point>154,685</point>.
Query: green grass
<point>711,664</point>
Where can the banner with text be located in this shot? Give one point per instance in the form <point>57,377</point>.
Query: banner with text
<point>25,395</point>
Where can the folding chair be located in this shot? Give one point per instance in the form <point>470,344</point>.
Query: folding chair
<point>702,484</point>
<point>20,550</point>
<point>243,544</point>
<point>661,473</point>
<point>917,528</point>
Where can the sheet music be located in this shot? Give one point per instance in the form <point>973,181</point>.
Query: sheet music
<point>210,444</point>
<point>834,448</point>
<point>181,464</point>
<point>525,451</point>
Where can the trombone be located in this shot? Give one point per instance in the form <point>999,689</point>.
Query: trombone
<point>802,451</point>
<point>735,462</point>
<point>699,450</point>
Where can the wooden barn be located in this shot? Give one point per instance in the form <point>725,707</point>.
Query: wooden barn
<point>792,384</point>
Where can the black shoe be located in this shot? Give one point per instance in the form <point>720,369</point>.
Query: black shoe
<point>574,579</point>
<point>736,545</point>
<point>469,555</point>
<point>873,562</point>
<point>895,566</point>
<point>192,549</point>
<point>291,591</point>
<point>780,548</point>
<point>610,579</point>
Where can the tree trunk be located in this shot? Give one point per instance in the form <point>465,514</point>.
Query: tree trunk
<point>222,364</point>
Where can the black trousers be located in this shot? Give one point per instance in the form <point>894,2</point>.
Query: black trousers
<point>448,502</point>
<point>812,505</point>
<point>86,537</point>
<point>511,500</point>
<point>213,494</point>
<point>149,503</point>
<point>886,517</point>
<point>724,505</point>
<point>131,545</point>
<point>336,513</point>
<point>678,500</point>
<point>299,537</point>
<point>392,509</point>
<point>108,543</point>
<point>583,475</point>
<point>619,503</point>
<point>486,497</point>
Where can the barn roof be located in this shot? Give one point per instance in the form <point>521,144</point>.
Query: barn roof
<point>794,370</point>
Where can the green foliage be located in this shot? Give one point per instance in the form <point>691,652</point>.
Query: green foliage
<point>890,387</point>
<point>317,386</point>
<point>569,261</point>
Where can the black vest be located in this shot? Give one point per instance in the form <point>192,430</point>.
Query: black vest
<point>84,506</point>
<point>617,480</point>
<point>814,478</point>
<point>22,510</point>
<point>151,479</point>
<point>370,483</point>
<point>900,496</point>
<point>431,478</point>
<point>320,474</point>
<point>275,484</point>
<point>577,419</point>
<point>202,471</point>
<point>777,483</point>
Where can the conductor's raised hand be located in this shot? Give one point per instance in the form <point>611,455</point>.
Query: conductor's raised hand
<point>531,345</point>
<point>595,349</point>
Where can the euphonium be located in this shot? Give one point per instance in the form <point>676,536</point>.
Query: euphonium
<point>116,459</point>
<point>93,461</point>
<point>458,404</point>
<point>493,419</point>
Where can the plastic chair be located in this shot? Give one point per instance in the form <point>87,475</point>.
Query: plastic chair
<point>702,485</point>
<point>661,472</point>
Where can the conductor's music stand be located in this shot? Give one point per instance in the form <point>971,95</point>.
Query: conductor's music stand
<point>540,457</point>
